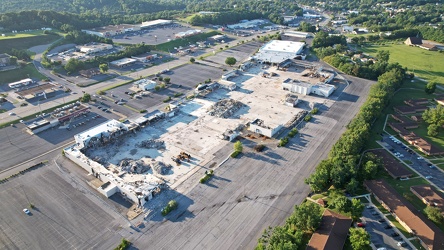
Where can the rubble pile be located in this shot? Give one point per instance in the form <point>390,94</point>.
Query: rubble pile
<point>225,108</point>
<point>133,167</point>
<point>152,143</point>
<point>160,167</point>
<point>296,119</point>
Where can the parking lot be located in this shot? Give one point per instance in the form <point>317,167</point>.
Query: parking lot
<point>241,53</point>
<point>151,36</point>
<point>183,80</point>
<point>382,233</point>
<point>432,173</point>
<point>64,217</point>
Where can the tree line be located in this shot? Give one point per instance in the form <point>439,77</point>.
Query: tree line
<point>340,168</point>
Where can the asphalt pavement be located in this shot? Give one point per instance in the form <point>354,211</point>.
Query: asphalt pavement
<point>422,166</point>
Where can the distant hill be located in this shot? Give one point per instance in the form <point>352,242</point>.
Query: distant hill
<point>91,6</point>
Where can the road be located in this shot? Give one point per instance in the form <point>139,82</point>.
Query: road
<point>435,175</point>
<point>255,191</point>
<point>29,110</point>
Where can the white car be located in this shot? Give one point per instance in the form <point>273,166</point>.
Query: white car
<point>428,177</point>
<point>12,113</point>
<point>419,158</point>
<point>26,211</point>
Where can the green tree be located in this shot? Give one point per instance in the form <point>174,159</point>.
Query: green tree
<point>167,79</point>
<point>192,60</point>
<point>238,146</point>
<point>230,61</point>
<point>359,239</point>
<point>434,115</point>
<point>433,130</point>
<point>434,214</point>
<point>352,186</point>
<point>383,55</point>
<point>430,87</point>
<point>356,209</point>
<point>103,68</point>
<point>370,170</point>
<point>340,202</point>
<point>85,98</point>
<point>73,65</point>
<point>306,217</point>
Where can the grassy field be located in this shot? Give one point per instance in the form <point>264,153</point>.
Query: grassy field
<point>425,64</point>
<point>25,42</point>
<point>169,46</point>
<point>19,74</point>
<point>21,35</point>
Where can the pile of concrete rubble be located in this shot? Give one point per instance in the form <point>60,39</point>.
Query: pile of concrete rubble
<point>133,166</point>
<point>160,167</point>
<point>152,143</point>
<point>225,108</point>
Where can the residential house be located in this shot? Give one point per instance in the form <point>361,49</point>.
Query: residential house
<point>332,232</point>
<point>428,234</point>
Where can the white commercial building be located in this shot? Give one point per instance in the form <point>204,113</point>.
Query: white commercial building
<point>145,84</point>
<point>112,30</point>
<point>94,48</point>
<point>258,126</point>
<point>247,24</point>
<point>18,84</point>
<point>155,23</point>
<point>111,128</point>
<point>188,33</point>
<point>123,62</point>
<point>277,51</point>
<point>298,34</point>
<point>304,88</point>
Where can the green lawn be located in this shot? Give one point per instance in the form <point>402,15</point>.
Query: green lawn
<point>19,74</point>
<point>425,64</point>
<point>421,131</point>
<point>26,42</point>
<point>21,35</point>
<point>418,245</point>
<point>399,226</point>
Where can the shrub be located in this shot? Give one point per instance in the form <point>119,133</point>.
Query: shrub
<point>207,176</point>
<point>172,204</point>
<point>178,94</point>
<point>293,132</point>
<point>124,244</point>
<point>157,88</point>
<point>101,92</point>
<point>160,78</point>
<point>234,154</point>
<point>314,111</point>
<point>283,142</point>
<point>307,118</point>
<point>167,99</point>
<point>192,60</point>
<point>259,148</point>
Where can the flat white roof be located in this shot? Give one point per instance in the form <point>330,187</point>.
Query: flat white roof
<point>283,46</point>
<point>155,22</point>
<point>123,61</point>
<point>106,127</point>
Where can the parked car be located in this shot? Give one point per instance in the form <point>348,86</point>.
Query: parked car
<point>26,211</point>
<point>394,234</point>
<point>387,226</point>
<point>381,220</point>
<point>401,244</point>
<point>360,224</point>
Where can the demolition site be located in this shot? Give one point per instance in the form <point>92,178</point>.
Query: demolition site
<point>140,157</point>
